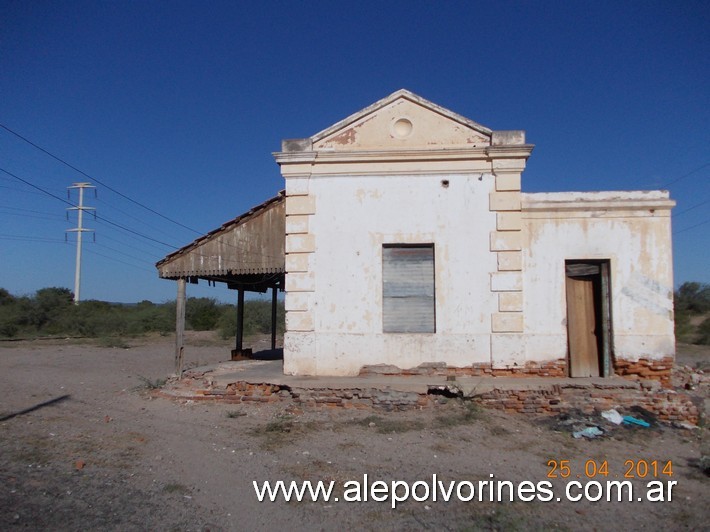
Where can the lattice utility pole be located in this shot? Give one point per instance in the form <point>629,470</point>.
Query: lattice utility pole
<point>79,230</point>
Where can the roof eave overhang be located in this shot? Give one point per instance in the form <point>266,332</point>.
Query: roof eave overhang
<point>204,239</point>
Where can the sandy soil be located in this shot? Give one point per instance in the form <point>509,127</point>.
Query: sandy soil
<point>105,455</point>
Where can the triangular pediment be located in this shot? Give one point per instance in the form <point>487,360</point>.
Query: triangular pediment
<point>402,121</point>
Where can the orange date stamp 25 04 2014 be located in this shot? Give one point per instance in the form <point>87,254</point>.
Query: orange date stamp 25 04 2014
<point>639,468</point>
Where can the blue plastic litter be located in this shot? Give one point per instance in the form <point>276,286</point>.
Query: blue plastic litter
<point>635,421</point>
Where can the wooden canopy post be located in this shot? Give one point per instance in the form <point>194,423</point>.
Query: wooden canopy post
<point>180,325</point>
<point>240,320</point>
<point>273,318</point>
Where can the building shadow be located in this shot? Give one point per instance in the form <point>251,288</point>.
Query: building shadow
<point>50,402</point>
<point>267,354</point>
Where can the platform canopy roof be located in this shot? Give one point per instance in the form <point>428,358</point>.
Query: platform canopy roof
<point>245,253</point>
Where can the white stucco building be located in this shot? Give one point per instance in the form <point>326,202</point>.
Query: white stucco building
<point>410,243</point>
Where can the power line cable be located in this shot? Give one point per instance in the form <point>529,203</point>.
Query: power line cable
<point>131,245</point>
<point>120,252</point>
<point>129,230</point>
<point>119,260</point>
<point>44,191</point>
<point>643,180</point>
<point>30,238</point>
<point>675,215</point>
<point>685,175</point>
<point>110,206</point>
<point>25,191</point>
<point>28,141</point>
<point>36,216</point>
<point>97,217</point>
<point>692,227</point>
<point>29,210</point>
<point>114,190</point>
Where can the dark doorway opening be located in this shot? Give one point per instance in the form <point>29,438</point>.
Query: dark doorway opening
<point>588,318</point>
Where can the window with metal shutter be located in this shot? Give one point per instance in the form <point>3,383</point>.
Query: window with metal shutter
<point>408,288</point>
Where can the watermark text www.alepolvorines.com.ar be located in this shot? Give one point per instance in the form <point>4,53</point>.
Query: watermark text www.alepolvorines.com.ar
<point>436,490</point>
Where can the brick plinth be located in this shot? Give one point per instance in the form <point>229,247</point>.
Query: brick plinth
<point>645,369</point>
<point>668,405</point>
<point>365,398</point>
<point>554,368</point>
<point>639,370</point>
<point>551,398</point>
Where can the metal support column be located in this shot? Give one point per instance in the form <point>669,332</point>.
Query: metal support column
<point>240,320</point>
<point>273,318</point>
<point>180,325</point>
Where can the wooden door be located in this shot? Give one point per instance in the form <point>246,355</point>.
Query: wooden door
<point>581,327</point>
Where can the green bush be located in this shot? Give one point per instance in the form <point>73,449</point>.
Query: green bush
<point>703,337</point>
<point>88,318</point>
<point>202,313</point>
<point>6,298</point>
<point>683,327</point>
<point>692,300</point>
<point>9,321</point>
<point>227,323</point>
<point>693,297</point>
<point>52,312</point>
<point>49,306</point>
<point>257,319</point>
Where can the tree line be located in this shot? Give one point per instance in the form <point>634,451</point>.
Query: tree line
<point>692,305</point>
<point>52,312</point>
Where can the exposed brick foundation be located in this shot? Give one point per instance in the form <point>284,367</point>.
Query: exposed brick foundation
<point>668,405</point>
<point>554,368</point>
<point>639,370</point>
<point>645,369</point>
<point>365,398</point>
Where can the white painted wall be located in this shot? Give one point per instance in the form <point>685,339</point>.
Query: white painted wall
<point>366,181</point>
<point>631,231</point>
<point>355,215</point>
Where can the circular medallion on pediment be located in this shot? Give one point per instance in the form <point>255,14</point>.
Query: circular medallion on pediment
<point>402,128</point>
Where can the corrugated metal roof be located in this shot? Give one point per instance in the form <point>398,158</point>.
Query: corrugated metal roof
<point>252,243</point>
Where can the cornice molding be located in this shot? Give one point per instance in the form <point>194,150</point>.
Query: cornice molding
<point>597,205</point>
<point>390,156</point>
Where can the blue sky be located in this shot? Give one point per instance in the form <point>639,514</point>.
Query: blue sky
<point>178,105</point>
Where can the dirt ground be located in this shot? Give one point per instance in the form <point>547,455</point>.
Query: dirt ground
<point>85,446</point>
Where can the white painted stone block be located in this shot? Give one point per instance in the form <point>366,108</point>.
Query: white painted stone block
<point>502,201</point>
<point>300,243</point>
<point>300,357</point>
<point>298,262</point>
<point>297,224</point>
<point>505,181</point>
<point>507,322</point>
<point>510,301</point>
<point>299,320</point>
<point>300,205</point>
<point>507,350</point>
<point>300,282</point>
<point>298,301</point>
<point>296,186</point>
<point>506,281</point>
<point>510,261</point>
<point>509,221</point>
<point>506,241</point>
<point>510,165</point>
